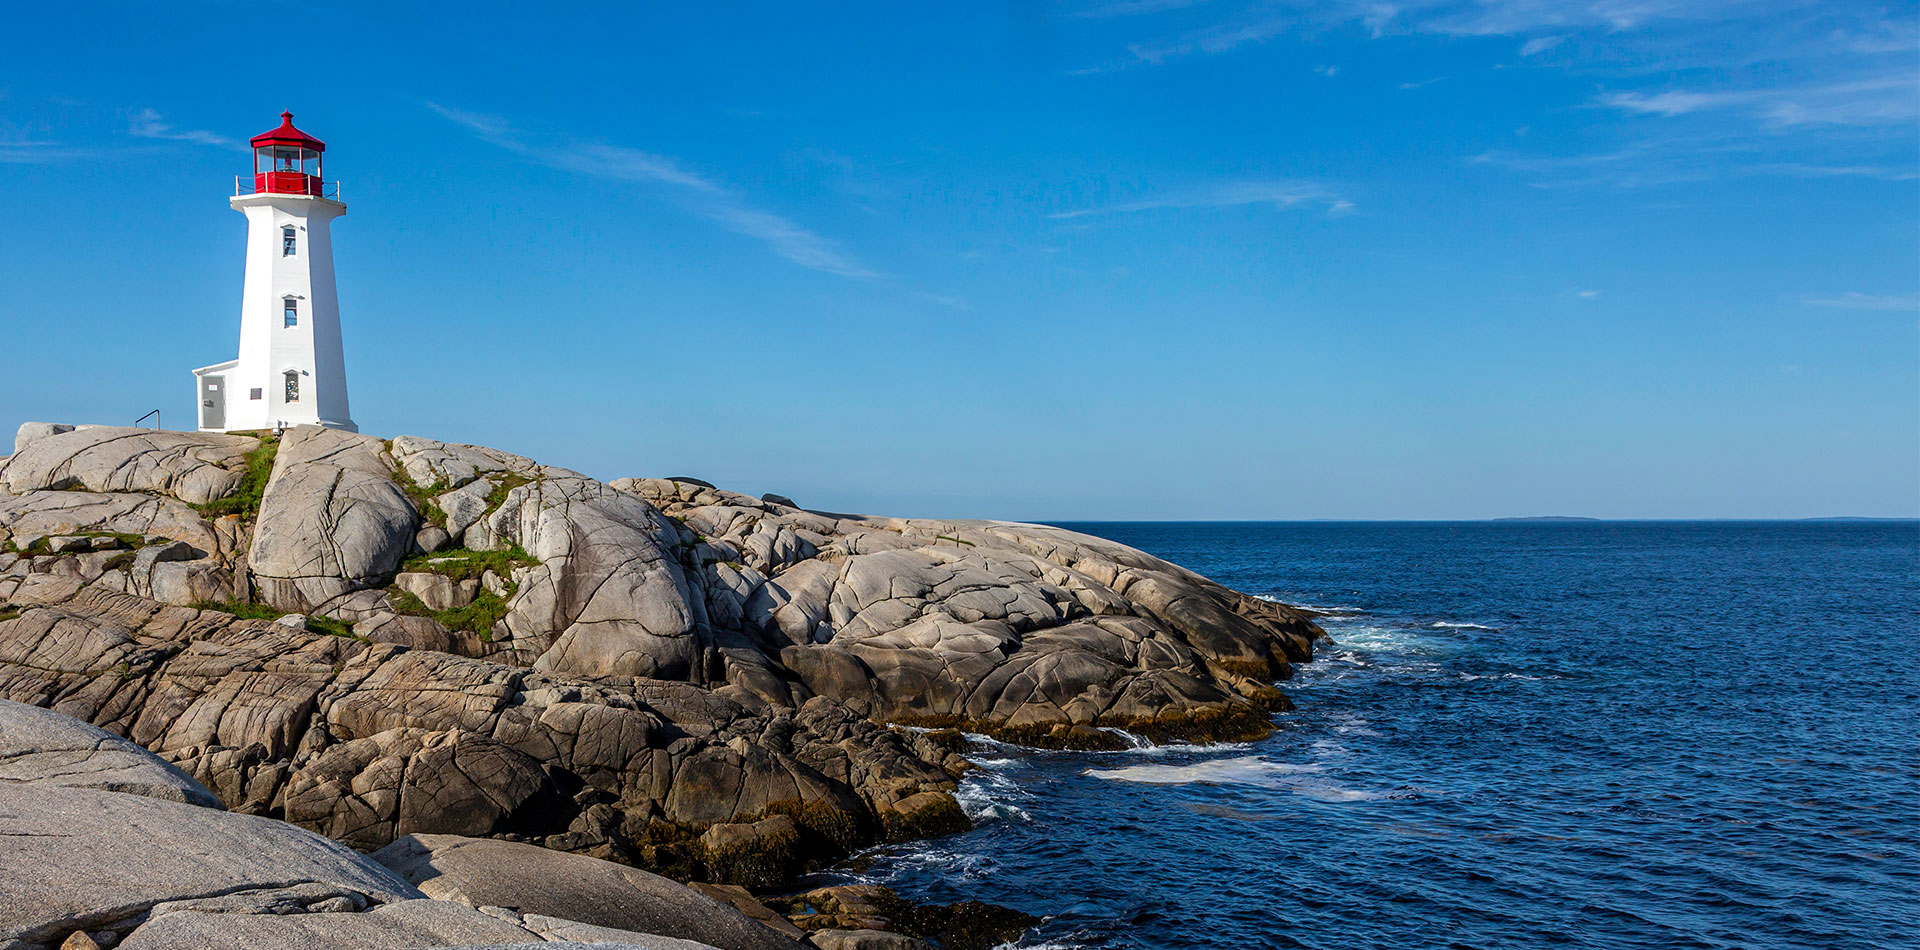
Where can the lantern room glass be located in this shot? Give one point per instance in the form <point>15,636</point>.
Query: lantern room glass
<point>286,158</point>
<point>287,169</point>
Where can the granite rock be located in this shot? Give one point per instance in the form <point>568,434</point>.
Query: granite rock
<point>39,747</point>
<point>537,881</point>
<point>333,520</point>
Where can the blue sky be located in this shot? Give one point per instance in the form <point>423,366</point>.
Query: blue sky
<point>1102,259</point>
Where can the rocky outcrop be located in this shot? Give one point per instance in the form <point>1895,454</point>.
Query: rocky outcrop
<point>480,873</point>
<point>140,868</point>
<point>652,671</point>
<point>41,747</point>
<point>333,519</point>
<point>367,742</point>
<point>79,859</point>
<point>195,467</point>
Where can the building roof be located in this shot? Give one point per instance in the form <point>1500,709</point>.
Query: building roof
<point>286,134</point>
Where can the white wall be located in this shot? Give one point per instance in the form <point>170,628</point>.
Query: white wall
<point>268,348</point>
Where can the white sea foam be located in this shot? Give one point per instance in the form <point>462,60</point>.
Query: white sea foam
<point>1445,625</point>
<point>1377,638</point>
<point>1320,608</point>
<point>990,797</point>
<point>954,865</point>
<point>1241,770</point>
<point>1140,745</point>
<point>1353,726</point>
<point>1304,780</point>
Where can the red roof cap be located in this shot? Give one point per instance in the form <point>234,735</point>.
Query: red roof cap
<point>286,134</point>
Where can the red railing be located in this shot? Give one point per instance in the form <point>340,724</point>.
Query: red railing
<point>286,183</point>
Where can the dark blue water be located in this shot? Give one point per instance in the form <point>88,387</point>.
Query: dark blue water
<point>1597,735</point>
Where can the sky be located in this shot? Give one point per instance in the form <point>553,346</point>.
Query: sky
<point>1086,259</point>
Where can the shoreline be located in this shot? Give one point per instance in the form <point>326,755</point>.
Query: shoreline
<point>376,638</point>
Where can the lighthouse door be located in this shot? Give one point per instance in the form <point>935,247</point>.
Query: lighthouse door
<point>213,402</point>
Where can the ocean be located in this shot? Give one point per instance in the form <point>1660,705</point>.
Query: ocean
<point>1569,735</point>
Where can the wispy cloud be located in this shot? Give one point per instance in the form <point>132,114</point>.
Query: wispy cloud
<point>1668,103</point>
<point>1814,170</point>
<point>491,127</point>
<point>697,193</point>
<point>25,151</point>
<point>1680,158</point>
<point>1218,39</point>
<point>1892,99</point>
<point>1854,300</point>
<point>1279,194</point>
<point>148,124</point>
<point>1851,66</point>
<point>1540,44</point>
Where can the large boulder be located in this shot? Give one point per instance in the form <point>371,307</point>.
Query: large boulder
<point>366,792</point>
<point>403,924</point>
<point>332,521</point>
<point>30,432</point>
<point>80,859</point>
<point>44,748</point>
<point>608,596</point>
<point>531,880</point>
<point>39,514</point>
<point>195,467</point>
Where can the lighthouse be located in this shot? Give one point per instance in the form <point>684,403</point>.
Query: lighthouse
<point>291,370</point>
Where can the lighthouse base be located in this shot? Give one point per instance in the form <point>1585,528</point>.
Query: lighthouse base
<point>227,404</point>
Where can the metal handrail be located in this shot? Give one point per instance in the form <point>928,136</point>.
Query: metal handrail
<point>243,185</point>
<point>154,415</point>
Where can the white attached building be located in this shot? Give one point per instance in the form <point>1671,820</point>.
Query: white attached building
<point>291,370</point>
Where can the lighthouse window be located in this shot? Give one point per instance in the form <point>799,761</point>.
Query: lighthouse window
<point>255,393</point>
<point>288,241</point>
<point>292,312</point>
<point>293,386</point>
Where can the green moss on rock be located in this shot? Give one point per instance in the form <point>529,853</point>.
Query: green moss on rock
<point>249,611</point>
<point>245,501</point>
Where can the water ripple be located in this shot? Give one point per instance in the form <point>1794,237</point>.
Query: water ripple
<point>1578,736</point>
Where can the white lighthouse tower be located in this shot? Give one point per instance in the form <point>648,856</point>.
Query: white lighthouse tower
<point>291,370</point>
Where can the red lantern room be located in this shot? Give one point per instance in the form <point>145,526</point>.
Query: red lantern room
<point>286,161</point>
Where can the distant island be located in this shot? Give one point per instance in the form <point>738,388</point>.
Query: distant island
<point>1548,519</point>
<point>1845,519</point>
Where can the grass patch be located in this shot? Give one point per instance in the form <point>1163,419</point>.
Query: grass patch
<point>487,609</point>
<point>326,625</point>
<point>6,615</point>
<point>422,497</point>
<point>462,564</point>
<point>948,537</point>
<point>503,483</point>
<point>245,501</point>
<point>423,500</point>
